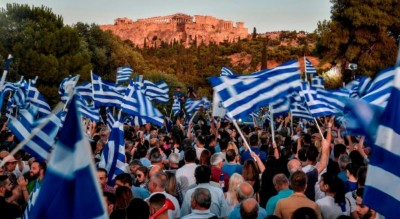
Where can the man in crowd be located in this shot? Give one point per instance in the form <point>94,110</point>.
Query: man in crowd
<point>200,204</point>
<point>281,184</point>
<point>243,192</point>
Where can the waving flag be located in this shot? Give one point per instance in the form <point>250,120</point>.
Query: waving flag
<point>153,91</point>
<point>70,187</point>
<point>310,69</point>
<point>316,106</point>
<point>135,103</point>
<point>67,87</point>
<point>40,144</point>
<point>86,110</point>
<point>379,90</point>
<point>134,120</point>
<point>226,71</point>
<point>110,118</point>
<point>85,91</point>
<point>383,176</point>
<point>124,73</point>
<point>318,82</point>
<point>113,156</point>
<point>176,107</point>
<point>105,93</point>
<point>240,95</point>
<point>37,99</point>
<point>192,106</point>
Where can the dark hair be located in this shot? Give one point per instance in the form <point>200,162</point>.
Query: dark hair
<point>43,166</point>
<point>251,173</point>
<point>123,195</point>
<point>124,178</point>
<point>361,175</point>
<point>102,170</point>
<point>304,213</point>
<point>190,154</point>
<point>110,197</point>
<point>312,153</point>
<point>254,140</point>
<point>141,151</point>
<point>205,157</point>
<point>202,174</point>
<point>352,168</point>
<point>157,199</point>
<point>155,155</point>
<point>336,186</point>
<point>201,139</point>
<point>302,154</point>
<point>298,181</point>
<point>137,209</point>
<point>230,155</point>
<point>339,149</point>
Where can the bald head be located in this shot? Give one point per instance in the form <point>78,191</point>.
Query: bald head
<point>293,165</point>
<point>249,209</point>
<point>244,191</point>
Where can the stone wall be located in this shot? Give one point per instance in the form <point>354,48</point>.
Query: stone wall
<point>177,27</point>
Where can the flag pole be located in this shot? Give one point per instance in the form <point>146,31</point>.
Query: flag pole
<point>305,69</point>
<point>291,123</point>
<point>272,123</point>
<point>319,128</point>
<point>35,131</point>
<point>241,135</point>
<point>6,67</point>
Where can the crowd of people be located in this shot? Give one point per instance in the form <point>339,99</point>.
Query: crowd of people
<point>205,169</point>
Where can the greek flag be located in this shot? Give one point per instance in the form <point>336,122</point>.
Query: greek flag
<point>153,91</point>
<point>310,69</point>
<point>379,90</point>
<point>192,106</point>
<point>67,87</point>
<point>383,177</point>
<point>110,118</point>
<point>364,85</point>
<point>105,93</point>
<point>280,107</point>
<point>113,156</point>
<point>176,107</point>
<point>316,106</point>
<point>135,103</point>
<point>352,87</point>
<point>70,188</point>
<point>318,82</point>
<point>37,99</point>
<point>298,110</point>
<point>85,91</point>
<point>134,121</point>
<point>226,71</point>
<point>41,143</point>
<point>240,95</point>
<point>124,73</point>
<point>86,110</point>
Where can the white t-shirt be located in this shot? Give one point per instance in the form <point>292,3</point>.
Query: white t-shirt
<point>331,210</point>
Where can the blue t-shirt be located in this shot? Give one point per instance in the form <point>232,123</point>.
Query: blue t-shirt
<point>235,214</point>
<point>261,154</point>
<point>231,168</point>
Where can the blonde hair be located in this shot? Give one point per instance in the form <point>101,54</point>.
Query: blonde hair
<point>234,181</point>
<point>232,145</point>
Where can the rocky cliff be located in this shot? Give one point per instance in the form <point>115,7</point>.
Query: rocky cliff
<point>181,28</point>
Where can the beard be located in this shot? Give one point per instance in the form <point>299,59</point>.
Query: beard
<point>34,175</point>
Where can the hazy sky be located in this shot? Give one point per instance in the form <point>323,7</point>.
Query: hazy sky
<point>265,15</point>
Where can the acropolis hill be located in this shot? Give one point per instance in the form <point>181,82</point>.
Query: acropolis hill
<point>179,28</point>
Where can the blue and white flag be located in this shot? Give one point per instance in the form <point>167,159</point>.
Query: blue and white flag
<point>110,118</point>
<point>37,99</point>
<point>113,155</point>
<point>70,188</point>
<point>280,107</point>
<point>383,177</point>
<point>310,69</point>
<point>105,93</point>
<point>41,142</point>
<point>85,91</point>
<point>318,82</point>
<point>299,110</point>
<point>124,74</point>
<point>153,91</point>
<point>88,111</point>
<point>240,95</point>
<point>226,71</point>
<point>192,106</point>
<point>176,107</point>
<point>134,120</point>
<point>316,105</point>
<point>67,87</point>
<point>379,89</point>
<point>364,85</point>
<point>135,103</point>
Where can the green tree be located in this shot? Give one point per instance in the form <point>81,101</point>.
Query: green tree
<point>254,34</point>
<point>362,32</point>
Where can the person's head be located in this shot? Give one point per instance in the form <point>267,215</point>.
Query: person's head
<point>343,160</point>
<point>157,182</point>
<point>304,213</point>
<point>155,156</point>
<point>38,169</point>
<point>156,202</point>
<point>190,155</point>
<point>251,174</point>
<point>293,166</point>
<point>200,141</point>
<point>351,170</point>
<point>173,159</point>
<point>331,184</point>
<point>298,181</point>
<point>10,163</point>
<point>231,155</point>
<point>249,209</point>
<point>201,199</point>
<point>109,199</point>
<point>100,145</point>
<point>133,165</point>
<point>5,185</point>
<point>102,176</point>
<point>362,211</point>
<point>312,153</point>
<point>123,179</point>
<point>142,174</point>
<point>254,140</point>
<point>137,209</point>
<point>244,191</point>
<point>123,195</point>
<point>217,160</point>
<point>202,174</point>
<point>338,150</point>
<point>234,181</point>
<point>104,134</point>
<point>280,181</point>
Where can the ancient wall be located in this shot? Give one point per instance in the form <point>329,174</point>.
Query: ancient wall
<point>177,27</point>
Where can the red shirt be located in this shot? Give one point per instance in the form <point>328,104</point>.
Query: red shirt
<point>215,173</point>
